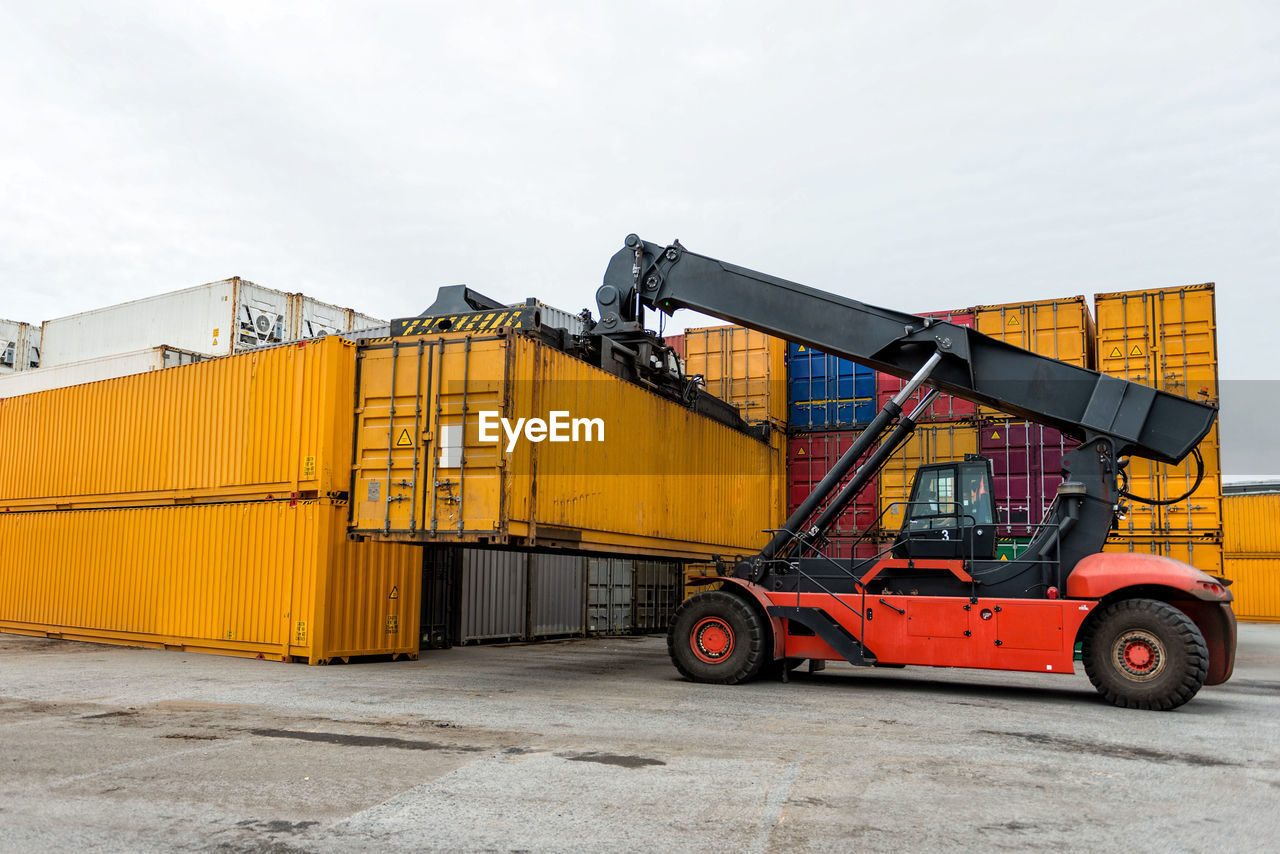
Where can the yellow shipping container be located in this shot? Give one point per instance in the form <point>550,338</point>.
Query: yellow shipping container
<point>930,443</point>
<point>267,579</point>
<point>1167,339</point>
<point>272,422</point>
<point>1203,554</point>
<point>743,367</point>
<point>699,570</point>
<point>638,474</point>
<point>1256,586</point>
<point>1060,328</point>
<point>1251,525</point>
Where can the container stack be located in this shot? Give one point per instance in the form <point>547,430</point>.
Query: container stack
<point>200,507</point>
<point>1167,339</point>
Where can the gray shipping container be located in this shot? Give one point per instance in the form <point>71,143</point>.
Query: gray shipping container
<point>659,584</point>
<point>557,595</point>
<point>494,595</point>
<point>610,582</point>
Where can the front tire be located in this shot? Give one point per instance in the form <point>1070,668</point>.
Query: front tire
<point>1144,654</point>
<point>717,637</point>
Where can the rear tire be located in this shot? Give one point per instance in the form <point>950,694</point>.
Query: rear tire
<point>1144,654</point>
<point>717,637</point>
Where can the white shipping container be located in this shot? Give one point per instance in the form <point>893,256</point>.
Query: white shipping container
<point>549,315</point>
<point>19,346</point>
<point>92,370</point>
<point>311,318</point>
<point>218,319</point>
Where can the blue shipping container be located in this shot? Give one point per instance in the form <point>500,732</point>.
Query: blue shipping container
<point>825,392</point>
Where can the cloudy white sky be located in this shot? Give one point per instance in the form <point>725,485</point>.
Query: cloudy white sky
<point>918,155</point>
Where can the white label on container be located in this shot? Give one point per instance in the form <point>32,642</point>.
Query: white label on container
<point>450,446</point>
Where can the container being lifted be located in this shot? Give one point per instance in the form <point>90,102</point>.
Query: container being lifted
<point>218,319</point>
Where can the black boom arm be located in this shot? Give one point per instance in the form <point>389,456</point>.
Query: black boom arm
<point>1136,419</point>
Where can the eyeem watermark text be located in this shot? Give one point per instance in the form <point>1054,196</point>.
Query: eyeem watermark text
<point>558,427</point>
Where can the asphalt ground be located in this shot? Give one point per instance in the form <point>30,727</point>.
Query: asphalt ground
<point>598,745</point>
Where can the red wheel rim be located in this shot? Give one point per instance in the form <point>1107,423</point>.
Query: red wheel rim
<point>711,640</point>
<point>1139,655</point>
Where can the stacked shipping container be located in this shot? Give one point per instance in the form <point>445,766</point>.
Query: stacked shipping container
<point>199,507</point>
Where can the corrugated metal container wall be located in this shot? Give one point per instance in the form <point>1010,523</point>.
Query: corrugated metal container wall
<point>92,370</point>
<point>657,594</point>
<point>655,479</point>
<point>809,457</point>
<point>946,407</point>
<point>267,579</point>
<point>676,342</point>
<point>742,366</point>
<point>557,595</point>
<point>272,422</point>
<point>1062,329</point>
<point>1026,460</point>
<point>1251,524</point>
<point>494,595</point>
<point>1167,339</point>
<point>220,318</point>
<point>1256,587</point>
<point>1203,554</point>
<point>827,393</point>
<point>610,587</point>
<point>930,443</point>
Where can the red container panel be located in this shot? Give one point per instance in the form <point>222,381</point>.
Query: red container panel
<point>675,342</point>
<point>946,407</point>
<point>1026,459</point>
<point>809,457</point>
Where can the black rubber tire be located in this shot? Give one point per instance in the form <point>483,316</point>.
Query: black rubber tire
<point>1172,660</point>
<point>719,610</point>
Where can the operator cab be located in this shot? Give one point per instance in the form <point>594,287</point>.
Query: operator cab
<point>951,513</point>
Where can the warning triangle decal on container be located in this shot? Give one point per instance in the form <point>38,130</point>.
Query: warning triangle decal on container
<point>800,452</point>
<point>404,440</point>
<point>1004,557</point>
<point>1115,353</point>
<point>395,593</point>
<point>1013,321</point>
<point>1136,351</point>
<point>995,434</point>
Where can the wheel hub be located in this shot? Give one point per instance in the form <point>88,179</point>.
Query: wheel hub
<point>1139,655</point>
<point>711,640</point>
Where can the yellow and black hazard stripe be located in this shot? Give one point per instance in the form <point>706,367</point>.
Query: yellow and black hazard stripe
<point>475,321</point>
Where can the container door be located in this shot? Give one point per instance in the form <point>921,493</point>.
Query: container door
<point>658,589</point>
<point>557,589</point>
<point>610,594</point>
<point>494,603</point>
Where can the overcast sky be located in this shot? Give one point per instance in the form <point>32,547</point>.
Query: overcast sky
<point>915,155</point>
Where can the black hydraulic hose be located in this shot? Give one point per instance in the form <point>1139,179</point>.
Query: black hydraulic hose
<point>1183,497</point>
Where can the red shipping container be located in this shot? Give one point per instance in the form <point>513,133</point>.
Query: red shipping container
<point>1026,459</point>
<point>946,407</point>
<point>675,342</point>
<point>809,457</point>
